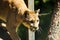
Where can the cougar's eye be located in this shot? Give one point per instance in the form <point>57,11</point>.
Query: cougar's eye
<point>31,21</point>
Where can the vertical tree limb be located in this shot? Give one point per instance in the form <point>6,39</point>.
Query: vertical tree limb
<point>11,27</point>
<point>54,31</point>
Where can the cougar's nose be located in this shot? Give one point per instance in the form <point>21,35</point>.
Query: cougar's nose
<point>37,28</point>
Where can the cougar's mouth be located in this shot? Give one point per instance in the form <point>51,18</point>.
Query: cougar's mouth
<point>30,25</point>
<point>33,28</point>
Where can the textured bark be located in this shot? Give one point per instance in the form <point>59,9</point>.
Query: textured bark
<point>54,31</point>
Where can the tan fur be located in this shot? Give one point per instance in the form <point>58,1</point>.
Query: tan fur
<point>20,5</point>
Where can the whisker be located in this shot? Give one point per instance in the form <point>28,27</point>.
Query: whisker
<point>39,31</point>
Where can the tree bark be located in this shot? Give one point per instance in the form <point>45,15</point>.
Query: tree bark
<point>11,27</point>
<point>54,31</point>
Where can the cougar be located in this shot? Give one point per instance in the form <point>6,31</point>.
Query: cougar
<point>23,15</point>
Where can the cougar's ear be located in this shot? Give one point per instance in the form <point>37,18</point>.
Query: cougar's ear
<point>37,12</point>
<point>26,13</point>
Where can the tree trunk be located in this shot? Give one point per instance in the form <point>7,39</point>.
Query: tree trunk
<point>54,31</point>
<point>11,27</point>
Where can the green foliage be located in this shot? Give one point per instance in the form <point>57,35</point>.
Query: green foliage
<point>46,7</point>
<point>45,1</point>
<point>22,31</point>
<point>36,2</point>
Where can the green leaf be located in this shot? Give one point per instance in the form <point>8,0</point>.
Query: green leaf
<point>36,2</point>
<point>46,1</point>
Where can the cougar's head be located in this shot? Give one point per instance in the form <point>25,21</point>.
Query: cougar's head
<point>31,20</point>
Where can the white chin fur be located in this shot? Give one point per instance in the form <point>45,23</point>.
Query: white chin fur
<point>31,24</point>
